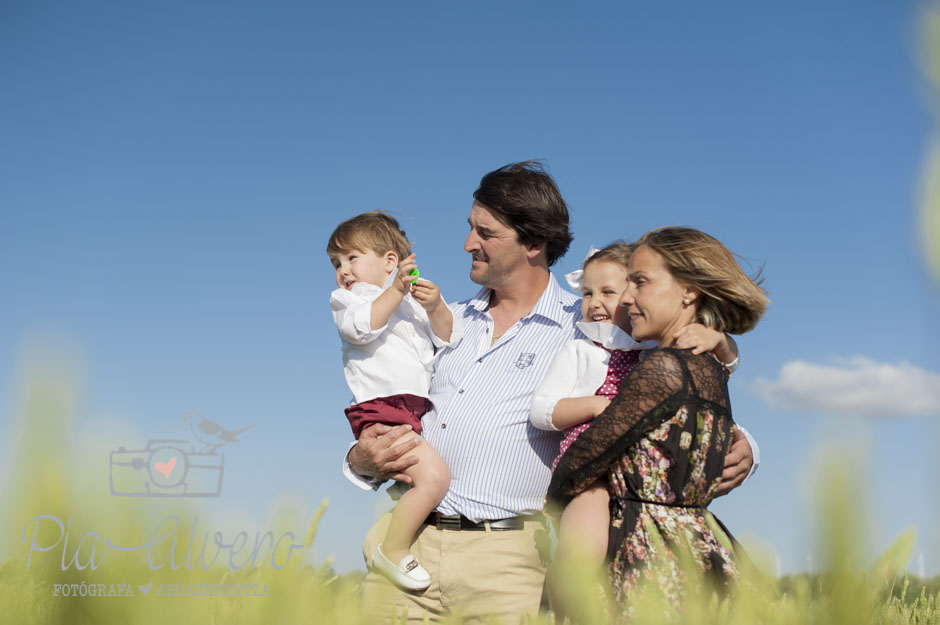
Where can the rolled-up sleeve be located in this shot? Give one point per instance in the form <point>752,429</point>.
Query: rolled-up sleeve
<point>559,382</point>
<point>352,313</point>
<point>456,332</point>
<point>755,451</point>
<point>361,481</point>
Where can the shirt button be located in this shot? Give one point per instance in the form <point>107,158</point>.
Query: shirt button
<point>460,391</point>
<point>443,426</point>
<point>479,360</point>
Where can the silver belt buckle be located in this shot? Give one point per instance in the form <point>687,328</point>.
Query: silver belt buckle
<point>447,522</point>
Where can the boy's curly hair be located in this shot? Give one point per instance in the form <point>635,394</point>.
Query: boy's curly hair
<point>375,231</point>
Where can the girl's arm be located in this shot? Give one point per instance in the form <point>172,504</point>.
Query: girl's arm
<point>558,384</point>
<point>571,411</point>
<point>704,339</point>
<point>727,352</point>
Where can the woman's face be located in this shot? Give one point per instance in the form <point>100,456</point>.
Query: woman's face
<point>602,285</point>
<point>654,300</point>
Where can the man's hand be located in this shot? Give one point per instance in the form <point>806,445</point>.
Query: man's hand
<point>738,463</point>
<point>381,452</point>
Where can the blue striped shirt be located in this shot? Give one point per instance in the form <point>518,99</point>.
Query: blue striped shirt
<point>499,463</point>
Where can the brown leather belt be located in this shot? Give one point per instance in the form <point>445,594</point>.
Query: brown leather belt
<point>458,523</point>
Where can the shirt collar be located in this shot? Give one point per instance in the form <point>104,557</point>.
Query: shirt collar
<point>550,304</point>
<point>610,336</point>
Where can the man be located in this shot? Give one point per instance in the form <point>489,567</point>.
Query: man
<point>479,547</point>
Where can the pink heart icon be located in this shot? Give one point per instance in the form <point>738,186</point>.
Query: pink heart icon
<point>165,469</point>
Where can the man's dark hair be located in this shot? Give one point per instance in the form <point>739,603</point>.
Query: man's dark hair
<point>524,197</point>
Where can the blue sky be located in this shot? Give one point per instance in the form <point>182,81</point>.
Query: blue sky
<point>170,173</point>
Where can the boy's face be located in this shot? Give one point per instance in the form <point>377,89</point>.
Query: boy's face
<point>353,266</point>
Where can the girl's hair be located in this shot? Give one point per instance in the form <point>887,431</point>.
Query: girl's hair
<point>617,252</point>
<point>376,231</point>
<point>730,300</point>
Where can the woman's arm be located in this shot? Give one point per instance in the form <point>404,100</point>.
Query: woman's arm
<point>641,405</point>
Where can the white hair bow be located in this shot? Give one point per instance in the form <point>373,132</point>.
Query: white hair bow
<point>575,279</point>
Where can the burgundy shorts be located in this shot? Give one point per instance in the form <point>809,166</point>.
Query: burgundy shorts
<point>394,410</point>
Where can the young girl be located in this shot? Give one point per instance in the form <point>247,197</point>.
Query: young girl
<point>585,375</point>
<point>390,323</point>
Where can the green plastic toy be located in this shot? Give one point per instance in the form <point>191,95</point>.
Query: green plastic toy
<point>414,274</point>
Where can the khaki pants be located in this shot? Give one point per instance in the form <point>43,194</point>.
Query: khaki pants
<point>474,574</point>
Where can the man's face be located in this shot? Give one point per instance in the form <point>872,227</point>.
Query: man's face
<point>494,247</point>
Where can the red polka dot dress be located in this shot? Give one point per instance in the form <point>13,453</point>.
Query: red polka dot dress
<point>621,363</point>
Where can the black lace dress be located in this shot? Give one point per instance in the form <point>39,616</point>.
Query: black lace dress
<point>661,444</point>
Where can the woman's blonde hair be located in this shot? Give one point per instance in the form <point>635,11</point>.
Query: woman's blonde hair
<point>730,300</point>
<point>374,231</point>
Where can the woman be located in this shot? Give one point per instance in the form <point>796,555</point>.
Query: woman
<point>662,441</point>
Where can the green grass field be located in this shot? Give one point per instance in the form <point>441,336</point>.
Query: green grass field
<point>56,582</point>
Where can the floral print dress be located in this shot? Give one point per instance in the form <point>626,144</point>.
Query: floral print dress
<point>661,444</point>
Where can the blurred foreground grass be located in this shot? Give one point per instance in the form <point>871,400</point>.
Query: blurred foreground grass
<point>58,476</point>
<point>930,204</point>
<point>46,483</point>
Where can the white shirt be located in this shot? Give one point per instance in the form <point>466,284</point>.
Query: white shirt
<point>500,464</point>
<point>397,358</point>
<point>579,368</point>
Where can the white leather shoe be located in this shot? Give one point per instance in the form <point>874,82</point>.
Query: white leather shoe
<point>407,574</point>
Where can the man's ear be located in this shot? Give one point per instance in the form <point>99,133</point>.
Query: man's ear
<point>391,261</point>
<point>533,250</point>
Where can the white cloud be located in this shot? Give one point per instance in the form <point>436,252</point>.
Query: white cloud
<point>856,386</point>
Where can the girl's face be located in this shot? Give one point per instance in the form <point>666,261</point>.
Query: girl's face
<point>603,283</point>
